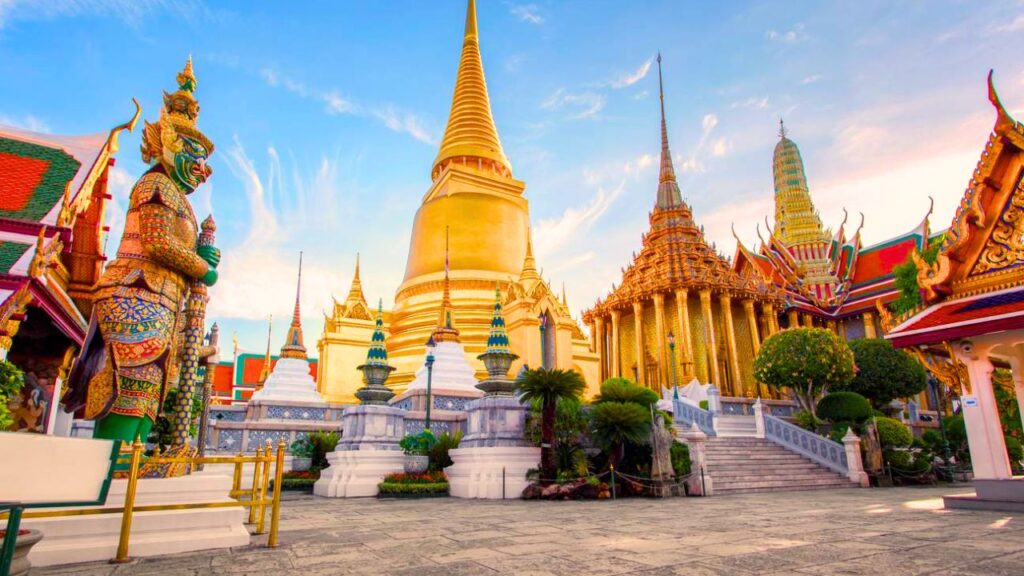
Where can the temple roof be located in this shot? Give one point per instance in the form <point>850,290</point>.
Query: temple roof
<point>796,220</point>
<point>471,132</point>
<point>668,188</point>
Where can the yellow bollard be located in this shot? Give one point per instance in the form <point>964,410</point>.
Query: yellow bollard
<point>275,511</point>
<point>263,489</point>
<point>254,493</point>
<point>129,503</point>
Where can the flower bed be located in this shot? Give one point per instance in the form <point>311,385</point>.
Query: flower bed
<point>424,485</point>
<point>299,480</point>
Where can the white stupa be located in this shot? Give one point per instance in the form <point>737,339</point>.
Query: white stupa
<point>452,371</point>
<point>290,381</point>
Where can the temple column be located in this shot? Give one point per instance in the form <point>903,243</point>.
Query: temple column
<point>794,319</point>
<point>683,317</point>
<point>1017,373</point>
<point>615,350</point>
<point>808,321</point>
<point>768,310</point>
<point>709,337</point>
<point>730,340</point>
<point>869,325</point>
<point>981,414</point>
<point>659,330</point>
<point>755,342</point>
<point>602,367</point>
<point>638,327</point>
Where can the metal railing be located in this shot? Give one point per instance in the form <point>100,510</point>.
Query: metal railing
<point>819,449</point>
<point>254,498</point>
<point>689,414</point>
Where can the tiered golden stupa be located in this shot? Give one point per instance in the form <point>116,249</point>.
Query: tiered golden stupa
<point>477,206</point>
<point>679,284</point>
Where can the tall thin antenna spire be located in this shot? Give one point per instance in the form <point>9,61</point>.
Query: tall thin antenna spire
<point>293,344</point>
<point>265,371</point>
<point>782,129</point>
<point>668,190</point>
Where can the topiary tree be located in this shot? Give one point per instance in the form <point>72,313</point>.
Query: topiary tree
<point>892,433</point>
<point>843,407</point>
<point>808,361</point>
<point>548,387</point>
<point>884,373</point>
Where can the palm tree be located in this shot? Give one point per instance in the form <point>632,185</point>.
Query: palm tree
<point>616,423</point>
<point>547,387</point>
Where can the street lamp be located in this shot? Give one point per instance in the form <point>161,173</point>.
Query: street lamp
<point>933,384</point>
<point>672,352</point>
<point>430,370</point>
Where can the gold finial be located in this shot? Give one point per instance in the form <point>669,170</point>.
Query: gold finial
<point>187,78</point>
<point>471,30</point>
<point>529,264</point>
<point>265,371</point>
<point>293,344</point>
<point>355,292</point>
<point>782,128</point>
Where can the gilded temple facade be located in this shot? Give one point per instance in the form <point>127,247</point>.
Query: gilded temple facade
<point>679,286</point>
<point>474,215</point>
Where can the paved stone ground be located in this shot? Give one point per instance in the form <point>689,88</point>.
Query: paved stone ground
<point>886,532</point>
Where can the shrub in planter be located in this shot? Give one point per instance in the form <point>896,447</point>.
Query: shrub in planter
<point>323,443</point>
<point>844,407</point>
<point>428,483</point>
<point>302,453</point>
<point>1015,451</point>
<point>439,459</point>
<point>892,433</point>
<point>419,443</point>
<point>806,420</point>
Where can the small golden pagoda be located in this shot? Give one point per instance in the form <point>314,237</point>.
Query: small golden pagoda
<point>679,284</point>
<point>475,214</point>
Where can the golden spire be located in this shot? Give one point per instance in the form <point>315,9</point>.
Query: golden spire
<point>529,264</point>
<point>446,330</point>
<point>265,371</point>
<point>471,132</point>
<point>356,291</point>
<point>565,301</point>
<point>668,189</point>
<point>796,221</point>
<point>293,345</point>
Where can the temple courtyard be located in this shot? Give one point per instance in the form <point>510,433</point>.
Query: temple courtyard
<point>882,531</point>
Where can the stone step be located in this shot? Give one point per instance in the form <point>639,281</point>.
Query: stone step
<point>756,456</point>
<point>731,466</point>
<point>745,449</point>
<point>727,491</point>
<point>725,470</point>
<point>802,483</point>
<point>790,477</point>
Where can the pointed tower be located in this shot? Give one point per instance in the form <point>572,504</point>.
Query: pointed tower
<point>796,220</point>
<point>265,370</point>
<point>293,346</point>
<point>376,368</point>
<point>498,358</point>
<point>668,188</point>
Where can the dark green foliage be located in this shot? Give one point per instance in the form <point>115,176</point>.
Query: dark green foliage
<point>838,431</point>
<point>615,423</point>
<point>844,407</point>
<point>547,387</point>
<point>622,390</point>
<point>806,420</point>
<point>892,433</point>
<point>680,455</point>
<point>1015,451</point>
<point>302,447</point>
<point>570,422</point>
<point>703,404</point>
<point>808,361</point>
<point>323,443</point>
<point>906,279</point>
<point>11,381</point>
<point>439,459</point>
<point>162,433</point>
<point>419,443</point>
<point>884,373</point>
<point>388,489</point>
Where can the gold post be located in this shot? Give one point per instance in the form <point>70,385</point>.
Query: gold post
<point>794,320</point>
<point>616,369</point>
<point>599,344</point>
<point>254,493</point>
<point>129,503</point>
<point>725,301</point>
<point>638,336</point>
<point>709,337</point>
<point>263,488</point>
<point>808,321</point>
<point>236,478</point>
<point>661,334</point>
<point>683,314</point>
<point>869,325</point>
<point>275,511</point>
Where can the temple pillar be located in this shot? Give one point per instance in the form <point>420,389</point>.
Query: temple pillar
<point>638,327</point>
<point>730,340</point>
<point>869,325</point>
<point>768,310</point>
<point>709,337</point>
<point>808,321</point>
<point>794,320</point>
<point>761,390</point>
<point>683,317</point>
<point>615,351</point>
<point>1017,372</point>
<point>981,414</point>
<point>599,342</point>
<point>661,334</point>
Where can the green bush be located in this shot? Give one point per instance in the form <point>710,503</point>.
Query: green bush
<point>432,477</point>
<point>387,488</point>
<point>884,373</point>
<point>11,381</point>
<point>1015,451</point>
<point>439,459</point>
<point>807,361</point>
<point>419,444</point>
<point>806,420</point>
<point>703,404</point>
<point>622,390</point>
<point>679,453</point>
<point>838,431</point>
<point>844,407</point>
<point>892,433</point>
<point>323,443</point>
<point>302,447</point>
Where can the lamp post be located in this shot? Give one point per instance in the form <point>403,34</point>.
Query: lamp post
<point>933,384</point>
<point>430,372</point>
<point>672,353</point>
<point>543,341</point>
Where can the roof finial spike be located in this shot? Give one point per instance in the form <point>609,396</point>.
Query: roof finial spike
<point>782,128</point>
<point>265,371</point>
<point>293,342</point>
<point>357,266</point>
<point>668,190</point>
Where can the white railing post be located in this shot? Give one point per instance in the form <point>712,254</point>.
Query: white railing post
<point>714,405</point>
<point>853,459</point>
<point>698,484</point>
<point>759,419</point>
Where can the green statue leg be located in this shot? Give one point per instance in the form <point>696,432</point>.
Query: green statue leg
<point>119,427</point>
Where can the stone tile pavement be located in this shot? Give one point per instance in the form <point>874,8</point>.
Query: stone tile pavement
<point>884,532</point>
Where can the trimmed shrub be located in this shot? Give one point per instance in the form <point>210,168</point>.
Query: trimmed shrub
<point>679,453</point>
<point>807,361</point>
<point>323,443</point>
<point>838,431</point>
<point>844,407</point>
<point>884,373</point>
<point>419,444</point>
<point>439,459</point>
<point>806,420</point>
<point>387,488</point>
<point>1015,451</point>
<point>892,433</point>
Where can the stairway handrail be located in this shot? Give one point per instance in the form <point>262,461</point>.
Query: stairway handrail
<point>817,448</point>
<point>688,414</point>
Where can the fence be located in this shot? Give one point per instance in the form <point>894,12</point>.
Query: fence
<point>819,449</point>
<point>689,414</point>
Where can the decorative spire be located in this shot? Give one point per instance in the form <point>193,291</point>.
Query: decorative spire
<point>377,355</point>
<point>355,293</point>
<point>668,189</point>
<point>782,129</point>
<point>265,371</point>
<point>497,340</point>
<point>471,132</point>
<point>446,330</point>
<point>376,368</point>
<point>565,300</point>
<point>293,345</point>
<point>529,264</point>
<point>498,358</point>
<point>796,220</point>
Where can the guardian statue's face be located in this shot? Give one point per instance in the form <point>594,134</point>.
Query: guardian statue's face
<point>187,167</point>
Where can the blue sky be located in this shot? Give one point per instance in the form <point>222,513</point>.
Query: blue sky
<point>327,117</point>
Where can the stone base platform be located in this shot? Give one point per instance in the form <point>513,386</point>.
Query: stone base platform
<point>356,473</point>
<point>70,539</point>
<point>994,495</point>
<point>490,473</point>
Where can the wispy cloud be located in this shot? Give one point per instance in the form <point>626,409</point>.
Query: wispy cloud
<point>631,78</point>
<point>551,234</point>
<point>529,13</point>
<point>406,122</point>
<point>586,104</point>
<point>694,163</point>
<point>753,103</point>
<point>1015,25</point>
<point>131,12</point>
<point>811,79</point>
<point>26,122</point>
<point>792,36</point>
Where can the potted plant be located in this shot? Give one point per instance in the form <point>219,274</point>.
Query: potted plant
<point>22,545</point>
<point>302,454</point>
<point>417,451</point>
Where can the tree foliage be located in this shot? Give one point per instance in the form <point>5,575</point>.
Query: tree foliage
<point>616,423</point>
<point>11,381</point>
<point>884,373</point>
<point>548,387</point>
<point>808,361</point>
<point>906,280</point>
<point>844,407</point>
<point>623,390</point>
<point>162,433</point>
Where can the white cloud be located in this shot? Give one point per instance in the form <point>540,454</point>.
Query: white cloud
<point>131,12</point>
<point>791,36</point>
<point>529,13</point>
<point>1015,25</point>
<point>811,79</point>
<point>337,105</point>
<point>587,104</point>
<point>28,122</point>
<point>551,234</point>
<point>753,103</point>
<point>406,122</point>
<point>631,78</point>
<point>721,147</point>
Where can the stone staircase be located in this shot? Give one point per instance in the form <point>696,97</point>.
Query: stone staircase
<point>739,464</point>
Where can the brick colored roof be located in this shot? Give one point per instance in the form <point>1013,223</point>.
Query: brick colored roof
<point>963,318</point>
